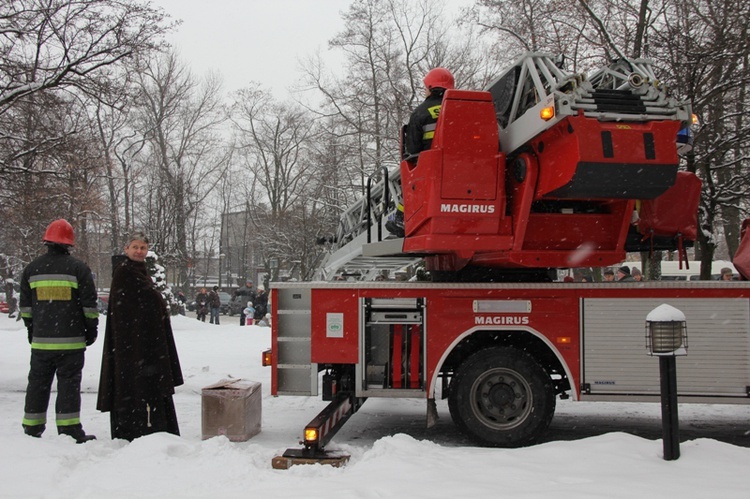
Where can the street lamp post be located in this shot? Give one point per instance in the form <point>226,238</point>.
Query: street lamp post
<point>221,258</point>
<point>666,338</point>
<point>274,266</point>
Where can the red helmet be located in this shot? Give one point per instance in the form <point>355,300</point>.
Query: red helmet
<point>60,232</point>
<point>439,78</point>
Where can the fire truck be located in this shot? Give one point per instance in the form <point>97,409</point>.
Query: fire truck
<point>540,171</point>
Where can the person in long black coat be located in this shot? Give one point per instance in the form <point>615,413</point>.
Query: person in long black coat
<point>140,367</point>
<point>261,303</point>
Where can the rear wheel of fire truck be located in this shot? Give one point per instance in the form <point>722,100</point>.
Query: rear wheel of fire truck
<point>502,397</point>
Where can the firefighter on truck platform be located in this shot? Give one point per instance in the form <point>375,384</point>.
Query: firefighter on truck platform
<point>421,130</point>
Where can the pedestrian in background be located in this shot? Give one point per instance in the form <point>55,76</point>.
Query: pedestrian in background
<point>58,306</point>
<point>140,367</point>
<point>261,304</point>
<point>201,305</point>
<point>214,304</point>
<point>623,274</point>
<point>265,321</point>
<point>246,293</point>
<point>249,312</point>
<point>637,275</point>
<point>182,301</point>
<point>726,274</point>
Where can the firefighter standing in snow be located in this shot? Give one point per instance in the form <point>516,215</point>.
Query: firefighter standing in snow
<point>140,367</point>
<point>58,306</point>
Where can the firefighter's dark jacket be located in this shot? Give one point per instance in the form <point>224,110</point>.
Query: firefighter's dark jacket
<point>58,302</point>
<point>421,127</point>
<point>139,359</point>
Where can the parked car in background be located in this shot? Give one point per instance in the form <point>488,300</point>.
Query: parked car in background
<point>102,302</point>
<point>4,306</point>
<point>237,305</point>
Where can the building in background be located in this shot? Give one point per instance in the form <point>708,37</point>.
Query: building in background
<point>240,251</point>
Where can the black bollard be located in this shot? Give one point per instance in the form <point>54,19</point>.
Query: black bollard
<point>669,419</point>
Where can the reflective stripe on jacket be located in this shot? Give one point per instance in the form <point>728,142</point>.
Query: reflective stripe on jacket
<point>58,301</point>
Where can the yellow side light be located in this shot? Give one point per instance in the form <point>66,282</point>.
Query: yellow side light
<point>695,119</point>
<point>564,340</point>
<point>311,434</point>
<point>267,358</point>
<point>547,113</point>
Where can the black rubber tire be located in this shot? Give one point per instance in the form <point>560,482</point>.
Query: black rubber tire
<point>501,397</point>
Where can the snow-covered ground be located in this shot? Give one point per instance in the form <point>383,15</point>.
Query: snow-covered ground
<point>385,460</point>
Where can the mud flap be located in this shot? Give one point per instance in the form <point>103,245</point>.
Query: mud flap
<point>432,414</point>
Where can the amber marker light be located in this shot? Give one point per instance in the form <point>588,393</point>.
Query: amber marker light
<point>266,356</point>
<point>564,340</point>
<point>311,434</point>
<point>547,113</point>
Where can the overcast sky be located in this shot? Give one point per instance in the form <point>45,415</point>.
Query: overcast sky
<point>253,40</point>
<point>257,40</point>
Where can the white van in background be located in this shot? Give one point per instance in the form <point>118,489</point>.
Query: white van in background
<point>671,271</point>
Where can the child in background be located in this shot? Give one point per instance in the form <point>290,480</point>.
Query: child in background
<point>249,312</point>
<point>265,321</point>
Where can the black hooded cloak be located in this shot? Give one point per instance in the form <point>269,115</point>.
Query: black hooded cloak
<point>140,367</point>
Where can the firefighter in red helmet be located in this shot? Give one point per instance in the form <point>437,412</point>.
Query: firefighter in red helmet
<point>421,127</point>
<point>58,306</point>
<point>60,232</point>
<point>421,130</point>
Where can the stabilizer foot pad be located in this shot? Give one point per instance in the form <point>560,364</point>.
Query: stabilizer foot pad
<point>294,457</point>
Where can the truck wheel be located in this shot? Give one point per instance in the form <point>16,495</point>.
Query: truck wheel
<point>502,397</point>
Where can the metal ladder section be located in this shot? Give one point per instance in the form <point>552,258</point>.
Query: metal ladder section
<point>362,247</point>
<point>626,90</point>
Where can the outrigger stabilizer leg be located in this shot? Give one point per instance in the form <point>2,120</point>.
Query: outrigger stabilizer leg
<point>319,432</point>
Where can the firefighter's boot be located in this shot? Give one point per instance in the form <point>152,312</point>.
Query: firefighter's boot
<point>395,223</point>
<point>76,432</point>
<point>34,430</point>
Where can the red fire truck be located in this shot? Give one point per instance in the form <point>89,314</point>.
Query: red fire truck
<point>501,353</point>
<point>543,170</point>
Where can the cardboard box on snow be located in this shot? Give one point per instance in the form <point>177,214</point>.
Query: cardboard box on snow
<point>231,407</point>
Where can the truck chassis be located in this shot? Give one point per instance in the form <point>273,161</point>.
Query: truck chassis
<point>500,353</point>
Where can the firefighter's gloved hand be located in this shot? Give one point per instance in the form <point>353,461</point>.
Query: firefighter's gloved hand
<point>91,334</point>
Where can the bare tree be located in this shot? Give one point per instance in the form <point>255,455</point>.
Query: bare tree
<point>389,46</point>
<point>57,182</point>
<point>180,118</point>
<point>274,140</point>
<point>64,46</point>
<point>553,26</point>
<point>113,122</point>
<point>705,46</point>
<point>273,136</point>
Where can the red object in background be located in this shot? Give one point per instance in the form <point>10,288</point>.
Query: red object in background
<point>675,211</point>
<point>741,258</point>
<point>4,307</point>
